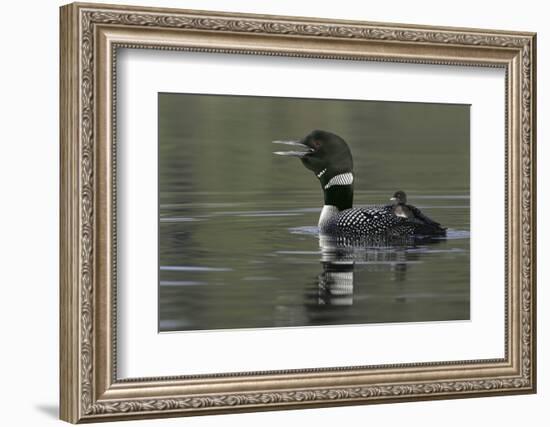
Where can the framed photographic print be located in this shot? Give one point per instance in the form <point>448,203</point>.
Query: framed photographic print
<point>266,212</point>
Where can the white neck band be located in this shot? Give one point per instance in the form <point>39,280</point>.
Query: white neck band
<point>342,179</point>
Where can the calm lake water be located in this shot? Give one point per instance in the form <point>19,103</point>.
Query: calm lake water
<point>238,246</point>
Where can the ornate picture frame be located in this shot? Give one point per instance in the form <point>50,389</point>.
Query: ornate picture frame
<point>90,37</point>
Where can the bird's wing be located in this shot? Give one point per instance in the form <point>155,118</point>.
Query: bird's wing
<point>420,216</point>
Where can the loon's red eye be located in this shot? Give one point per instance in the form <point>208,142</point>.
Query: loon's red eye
<point>316,143</point>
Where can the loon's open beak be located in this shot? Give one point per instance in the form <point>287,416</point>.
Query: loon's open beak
<point>393,199</point>
<point>293,153</point>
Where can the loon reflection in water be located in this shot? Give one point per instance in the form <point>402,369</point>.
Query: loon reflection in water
<point>335,284</point>
<point>329,157</point>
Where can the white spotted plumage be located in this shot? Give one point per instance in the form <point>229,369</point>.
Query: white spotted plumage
<point>367,222</point>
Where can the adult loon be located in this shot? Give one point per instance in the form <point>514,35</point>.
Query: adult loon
<point>330,159</point>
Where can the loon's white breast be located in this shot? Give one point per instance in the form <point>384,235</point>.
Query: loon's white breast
<point>328,214</point>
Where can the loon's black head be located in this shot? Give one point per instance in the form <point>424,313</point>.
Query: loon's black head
<point>324,153</point>
<point>329,158</point>
<point>399,197</point>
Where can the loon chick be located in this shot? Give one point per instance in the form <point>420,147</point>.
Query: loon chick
<point>328,156</point>
<point>404,210</point>
<point>399,203</point>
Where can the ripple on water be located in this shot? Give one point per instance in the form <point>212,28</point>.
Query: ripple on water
<point>180,219</point>
<point>181,283</point>
<point>305,230</point>
<point>456,234</point>
<point>191,268</point>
